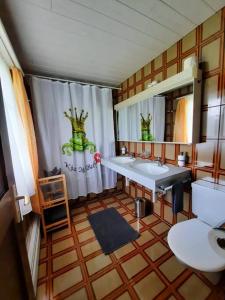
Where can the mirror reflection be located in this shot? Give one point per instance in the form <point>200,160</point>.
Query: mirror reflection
<point>143,121</point>
<point>182,119</point>
<point>157,119</point>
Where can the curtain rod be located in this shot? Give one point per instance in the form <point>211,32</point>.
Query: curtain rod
<point>187,95</point>
<point>8,52</point>
<point>76,81</point>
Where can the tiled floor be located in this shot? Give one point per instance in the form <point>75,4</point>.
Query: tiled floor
<point>73,267</point>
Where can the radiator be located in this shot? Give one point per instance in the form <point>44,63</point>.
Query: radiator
<point>33,249</point>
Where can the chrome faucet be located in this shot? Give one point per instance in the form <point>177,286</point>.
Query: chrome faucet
<point>132,155</point>
<point>159,161</point>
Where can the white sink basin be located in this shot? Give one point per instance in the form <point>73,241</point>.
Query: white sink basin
<point>151,168</point>
<point>123,159</point>
<point>146,172</point>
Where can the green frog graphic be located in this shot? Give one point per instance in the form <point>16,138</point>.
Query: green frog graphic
<point>78,142</point>
<point>145,128</point>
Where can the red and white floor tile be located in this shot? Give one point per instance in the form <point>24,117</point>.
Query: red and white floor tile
<point>73,267</point>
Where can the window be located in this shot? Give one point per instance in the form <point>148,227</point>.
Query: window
<point>3,179</point>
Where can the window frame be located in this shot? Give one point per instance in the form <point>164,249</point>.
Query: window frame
<point>4,149</point>
<point>4,183</point>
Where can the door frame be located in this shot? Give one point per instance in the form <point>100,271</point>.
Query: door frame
<point>7,219</point>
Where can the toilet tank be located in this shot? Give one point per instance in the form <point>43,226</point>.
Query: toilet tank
<point>208,202</point>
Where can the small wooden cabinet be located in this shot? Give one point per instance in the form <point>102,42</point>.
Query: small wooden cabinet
<point>54,203</point>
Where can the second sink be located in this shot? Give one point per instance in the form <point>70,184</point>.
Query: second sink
<point>150,168</point>
<point>123,159</point>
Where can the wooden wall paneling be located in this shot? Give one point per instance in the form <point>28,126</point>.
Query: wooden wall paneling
<point>206,42</point>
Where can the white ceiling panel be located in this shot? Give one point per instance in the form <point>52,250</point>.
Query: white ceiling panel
<point>196,11</point>
<point>102,23</point>
<point>215,4</point>
<point>99,40</point>
<point>157,31</point>
<point>160,13</point>
<point>42,3</point>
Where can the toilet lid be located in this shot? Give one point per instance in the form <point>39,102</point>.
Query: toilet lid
<point>195,243</point>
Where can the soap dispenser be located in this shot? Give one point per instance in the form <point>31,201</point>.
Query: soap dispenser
<point>181,159</point>
<point>123,150</point>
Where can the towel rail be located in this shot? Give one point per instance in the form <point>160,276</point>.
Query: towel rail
<point>162,190</point>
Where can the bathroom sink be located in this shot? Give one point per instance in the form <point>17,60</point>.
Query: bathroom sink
<point>146,173</point>
<point>123,159</point>
<point>151,168</point>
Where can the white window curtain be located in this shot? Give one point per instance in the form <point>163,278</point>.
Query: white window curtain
<point>51,99</point>
<point>21,162</point>
<point>129,120</point>
<point>183,125</point>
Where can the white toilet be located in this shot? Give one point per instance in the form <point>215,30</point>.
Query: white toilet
<point>194,242</point>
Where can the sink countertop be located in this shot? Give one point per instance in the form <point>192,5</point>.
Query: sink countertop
<point>152,182</point>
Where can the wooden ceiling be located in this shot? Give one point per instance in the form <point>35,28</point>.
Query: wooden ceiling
<point>98,40</point>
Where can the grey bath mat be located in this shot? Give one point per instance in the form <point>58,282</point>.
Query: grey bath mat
<point>111,230</point>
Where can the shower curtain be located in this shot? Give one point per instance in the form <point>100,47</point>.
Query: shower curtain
<point>74,130</point>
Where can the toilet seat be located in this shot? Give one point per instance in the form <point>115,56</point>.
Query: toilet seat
<point>191,242</point>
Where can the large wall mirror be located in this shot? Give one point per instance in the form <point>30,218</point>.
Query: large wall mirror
<point>165,118</point>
